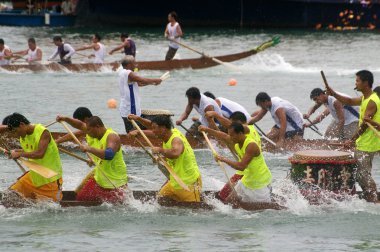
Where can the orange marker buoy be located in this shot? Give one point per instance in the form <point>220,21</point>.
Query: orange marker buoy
<point>112,103</point>
<point>232,82</point>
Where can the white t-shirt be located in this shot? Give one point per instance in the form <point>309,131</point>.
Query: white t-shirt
<point>100,53</point>
<point>228,107</point>
<point>293,115</point>
<point>203,104</point>
<point>2,54</point>
<point>349,111</point>
<point>129,95</point>
<point>172,30</point>
<point>32,55</point>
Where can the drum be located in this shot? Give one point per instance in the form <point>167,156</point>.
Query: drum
<point>329,170</point>
<point>152,113</point>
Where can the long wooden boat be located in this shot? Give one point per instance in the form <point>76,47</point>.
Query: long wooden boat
<point>69,200</point>
<point>194,63</point>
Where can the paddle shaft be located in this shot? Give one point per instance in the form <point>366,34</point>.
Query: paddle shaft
<point>170,170</point>
<point>312,124</point>
<point>188,131</point>
<point>73,154</point>
<point>316,131</point>
<point>324,79</point>
<point>50,124</point>
<point>263,135</point>
<point>373,129</point>
<point>18,164</point>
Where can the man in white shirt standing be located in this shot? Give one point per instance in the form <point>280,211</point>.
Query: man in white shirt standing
<point>173,32</point>
<point>129,84</point>
<point>287,117</point>
<point>64,50</point>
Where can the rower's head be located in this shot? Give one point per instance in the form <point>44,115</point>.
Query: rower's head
<point>193,96</point>
<point>82,114</point>
<point>124,36</point>
<point>1,44</point>
<point>32,43</point>
<point>263,100</point>
<point>172,17</point>
<point>18,124</point>
<point>96,38</point>
<point>238,117</point>
<point>318,96</point>
<point>128,62</point>
<point>161,125</point>
<point>210,95</point>
<point>236,132</point>
<point>95,127</point>
<point>57,40</point>
<point>364,80</point>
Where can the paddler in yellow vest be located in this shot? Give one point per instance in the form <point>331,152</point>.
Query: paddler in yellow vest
<point>249,130</point>
<point>255,184</point>
<point>367,144</point>
<point>109,182</point>
<point>38,146</point>
<point>179,155</point>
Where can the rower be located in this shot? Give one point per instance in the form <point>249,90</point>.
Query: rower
<point>255,185</point>
<point>109,182</point>
<point>129,83</point>
<point>201,104</point>
<point>288,118</point>
<point>367,143</point>
<point>38,146</point>
<point>64,50</point>
<point>173,32</point>
<point>345,118</point>
<point>78,121</point>
<point>34,52</point>
<point>179,155</point>
<point>99,49</point>
<point>127,44</point>
<point>5,53</point>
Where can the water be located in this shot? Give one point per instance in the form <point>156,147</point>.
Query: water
<point>290,70</point>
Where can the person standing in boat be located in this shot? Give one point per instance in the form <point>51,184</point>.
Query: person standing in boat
<point>129,84</point>
<point>5,53</point>
<point>38,146</point>
<point>345,118</point>
<point>202,104</point>
<point>109,182</point>
<point>99,49</point>
<point>179,155</point>
<point>34,53</point>
<point>367,143</point>
<point>173,32</point>
<point>64,50</point>
<point>288,118</point>
<point>255,185</point>
<point>128,45</point>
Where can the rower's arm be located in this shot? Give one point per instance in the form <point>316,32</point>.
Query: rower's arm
<point>216,133</point>
<point>352,101</point>
<point>179,32</point>
<point>68,137</point>
<point>185,114</point>
<point>42,147</point>
<point>124,44</point>
<point>340,114</point>
<point>321,116</point>
<point>113,146</point>
<point>78,124</point>
<point>24,52</point>
<point>252,151</point>
<point>221,119</point>
<point>257,116</point>
<point>55,54</point>
<point>39,55</point>
<point>85,47</point>
<point>70,49</point>
<point>175,151</point>
<point>369,113</point>
<point>7,53</point>
<point>145,122</point>
<point>143,81</point>
<point>312,110</point>
<point>281,114</point>
<point>211,122</point>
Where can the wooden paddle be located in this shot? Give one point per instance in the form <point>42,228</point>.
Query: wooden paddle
<point>50,124</point>
<point>263,135</point>
<point>227,64</point>
<point>37,168</point>
<point>191,134</point>
<point>219,162</point>
<point>314,129</point>
<point>324,79</point>
<point>167,166</point>
<point>312,124</point>
<point>73,155</point>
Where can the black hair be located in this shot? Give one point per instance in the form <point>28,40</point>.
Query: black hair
<point>5,120</point>
<point>237,127</point>
<point>82,113</point>
<point>377,90</point>
<point>2,41</point>
<point>57,38</point>
<point>97,36</point>
<point>366,75</point>
<point>194,93</point>
<point>316,92</point>
<point>124,35</point>
<point>32,40</point>
<point>95,121</point>
<point>164,121</point>
<point>238,116</point>
<point>174,15</point>
<point>209,94</point>
<point>262,97</point>
<point>14,120</point>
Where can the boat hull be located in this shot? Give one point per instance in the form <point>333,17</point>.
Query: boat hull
<point>53,20</point>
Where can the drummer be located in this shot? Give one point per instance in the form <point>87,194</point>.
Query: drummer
<point>367,143</point>
<point>345,118</point>
<point>288,118</point>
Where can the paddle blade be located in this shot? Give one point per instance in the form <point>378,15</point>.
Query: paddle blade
<point>37,168</point>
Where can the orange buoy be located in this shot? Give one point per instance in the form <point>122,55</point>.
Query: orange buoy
<point>232,82</point>
<point>112,103</point>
